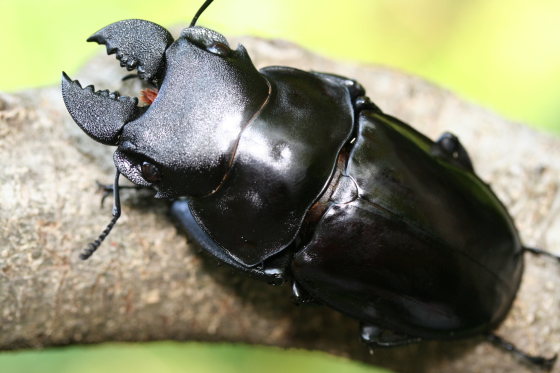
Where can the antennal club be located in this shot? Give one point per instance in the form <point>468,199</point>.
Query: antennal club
<point>92,246</point>
<point>202,9</point>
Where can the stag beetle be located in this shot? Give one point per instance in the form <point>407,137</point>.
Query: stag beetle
<point>294,176</point>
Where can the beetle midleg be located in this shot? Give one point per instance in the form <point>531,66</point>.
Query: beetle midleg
<point>449,147</point>
<point>300,296</point>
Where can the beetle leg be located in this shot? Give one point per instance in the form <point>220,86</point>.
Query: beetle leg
<point>449,147</point>
<point>377,337</point>
<point>276,268</point>
<point>540,361</point>
<point>107,189</point>
<point>300,297</point>
<point>364,103</point>
<point>536,251</point>
<point>273,270</point>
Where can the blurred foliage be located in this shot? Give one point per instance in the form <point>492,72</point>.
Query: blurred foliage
<point>173,357</point>
<point>503,54</point>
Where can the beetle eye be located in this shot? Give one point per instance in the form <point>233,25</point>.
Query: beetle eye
<point>219,49</point>
<point>150,172</point>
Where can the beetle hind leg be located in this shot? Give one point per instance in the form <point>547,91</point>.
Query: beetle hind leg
<point>374,336</point>
<point>537,251</point>
<point>540,361</point>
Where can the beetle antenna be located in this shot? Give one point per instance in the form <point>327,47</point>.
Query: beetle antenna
<point>92,246</point>
<point>202,9</point>
<point>536,251</point>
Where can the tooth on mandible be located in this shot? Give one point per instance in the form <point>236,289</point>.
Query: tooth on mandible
<point>101,114</point>
<point>140,41</point>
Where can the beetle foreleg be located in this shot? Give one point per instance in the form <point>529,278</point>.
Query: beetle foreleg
<point>273,271</point>
<point>109,189</point>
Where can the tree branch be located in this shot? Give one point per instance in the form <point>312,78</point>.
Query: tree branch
<point>145,282</point>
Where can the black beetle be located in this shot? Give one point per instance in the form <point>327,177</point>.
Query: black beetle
<point>297,176</point>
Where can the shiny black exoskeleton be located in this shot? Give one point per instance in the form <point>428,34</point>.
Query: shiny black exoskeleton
<point>296,176</point>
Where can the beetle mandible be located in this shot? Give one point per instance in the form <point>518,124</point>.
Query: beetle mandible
<point>298,177</point>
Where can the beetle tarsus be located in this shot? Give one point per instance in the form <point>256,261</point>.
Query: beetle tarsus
<point>107,189</point>
<point>540,361</point>
<point>537,251</point>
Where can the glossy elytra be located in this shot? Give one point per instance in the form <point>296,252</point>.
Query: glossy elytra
<point>294,176</point>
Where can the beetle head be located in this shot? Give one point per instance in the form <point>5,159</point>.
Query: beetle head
<point>183,143</point>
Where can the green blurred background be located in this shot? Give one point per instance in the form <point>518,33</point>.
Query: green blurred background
<point>502,54</point>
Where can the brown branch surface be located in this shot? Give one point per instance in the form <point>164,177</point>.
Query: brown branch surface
<point>147,283</point>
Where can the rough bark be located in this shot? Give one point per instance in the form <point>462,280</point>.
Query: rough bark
<point>147,283</point>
